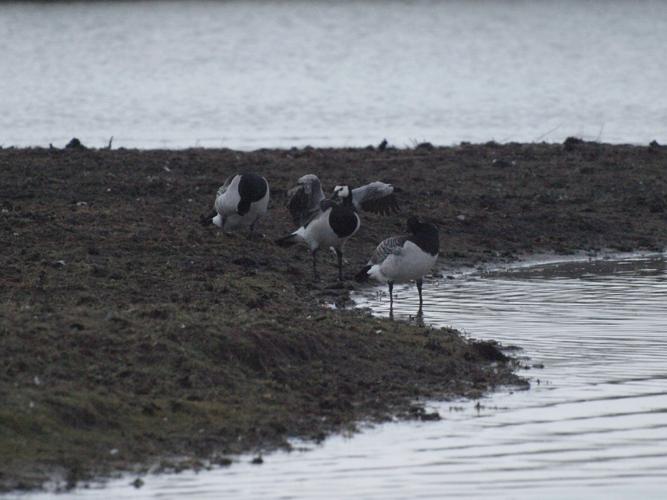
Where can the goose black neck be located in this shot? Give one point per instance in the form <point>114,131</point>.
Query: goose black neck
<point>251,188</point>
<point>347,202</point>
<point>426,237</point>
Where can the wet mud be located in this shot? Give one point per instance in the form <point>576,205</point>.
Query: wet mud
<point>131,335</point>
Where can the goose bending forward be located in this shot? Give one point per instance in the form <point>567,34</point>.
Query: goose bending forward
<point>400,259</point>
<point>240,202</point>
<point>331,222</point>
<point>331,227</point>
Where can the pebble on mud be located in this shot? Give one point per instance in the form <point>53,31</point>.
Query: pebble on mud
<point>571,143</point>
<point>75,144</point>
<point>222,461</point>
<point>419,413</point>
<point>500,163</point>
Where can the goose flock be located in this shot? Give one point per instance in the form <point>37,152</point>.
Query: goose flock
<point>329,222</point>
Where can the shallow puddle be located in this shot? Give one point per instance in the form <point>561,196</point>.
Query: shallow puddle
<point>593,423</point>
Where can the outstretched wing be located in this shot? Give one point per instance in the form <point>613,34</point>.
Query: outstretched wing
<point>392,245</point>
<point>304,199</point>
<point>377,197</point>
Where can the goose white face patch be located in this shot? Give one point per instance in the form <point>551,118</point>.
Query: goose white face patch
<point>342,191</point>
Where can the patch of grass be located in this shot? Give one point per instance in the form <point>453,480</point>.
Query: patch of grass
<point>129,334</point>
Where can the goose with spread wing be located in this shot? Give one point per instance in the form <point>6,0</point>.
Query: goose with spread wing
<point>304,199</point>
<point>331,222</point>
<point>400,259</point>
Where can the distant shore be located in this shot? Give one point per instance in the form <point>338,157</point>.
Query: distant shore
<point>130,334</point>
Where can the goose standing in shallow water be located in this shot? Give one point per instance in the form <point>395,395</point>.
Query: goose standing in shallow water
<point>400,259</point>
<point>240,202</point>
<point>330,223</point>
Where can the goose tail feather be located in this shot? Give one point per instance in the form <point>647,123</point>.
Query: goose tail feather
<point>362,275</point>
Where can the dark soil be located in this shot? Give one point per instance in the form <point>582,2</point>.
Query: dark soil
<point>130,334</point>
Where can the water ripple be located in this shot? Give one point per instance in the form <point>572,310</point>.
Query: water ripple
<point>594,419</point>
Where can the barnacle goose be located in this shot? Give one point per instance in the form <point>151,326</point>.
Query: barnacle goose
<point>240,202</point>
<point>400,259</point>
<point>331,222</point>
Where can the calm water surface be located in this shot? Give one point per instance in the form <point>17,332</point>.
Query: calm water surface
<point>593,424</point>
<point>267,73</point>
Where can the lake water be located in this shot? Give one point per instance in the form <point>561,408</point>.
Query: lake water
<point>593,424</point>
<point>256,74</point>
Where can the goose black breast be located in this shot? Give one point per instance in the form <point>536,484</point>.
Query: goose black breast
<point>427,239</point>
<point>252,188</point>
<point>343,221</point>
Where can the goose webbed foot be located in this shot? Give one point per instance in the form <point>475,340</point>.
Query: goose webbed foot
<point>419,318</point>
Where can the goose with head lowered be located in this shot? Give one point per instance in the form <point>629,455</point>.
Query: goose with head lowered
<point>400,259</point>
<point>329,223</point>
<point>240,202</point>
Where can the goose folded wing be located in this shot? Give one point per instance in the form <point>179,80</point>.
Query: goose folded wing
<point>393,245</point>
<point>217,205</point>
<point>377,197</point>
<point>314,214</point>
<point>223,189</point>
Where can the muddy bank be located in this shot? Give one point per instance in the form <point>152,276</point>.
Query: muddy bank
<point>129,333</point>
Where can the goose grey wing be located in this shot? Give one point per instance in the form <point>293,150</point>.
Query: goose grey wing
<point>221,191</point>
<point>314,214</point>
<point>303,200</point>
<point>392,245</point>
<point>377,197</point>
<point>298,205</point>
